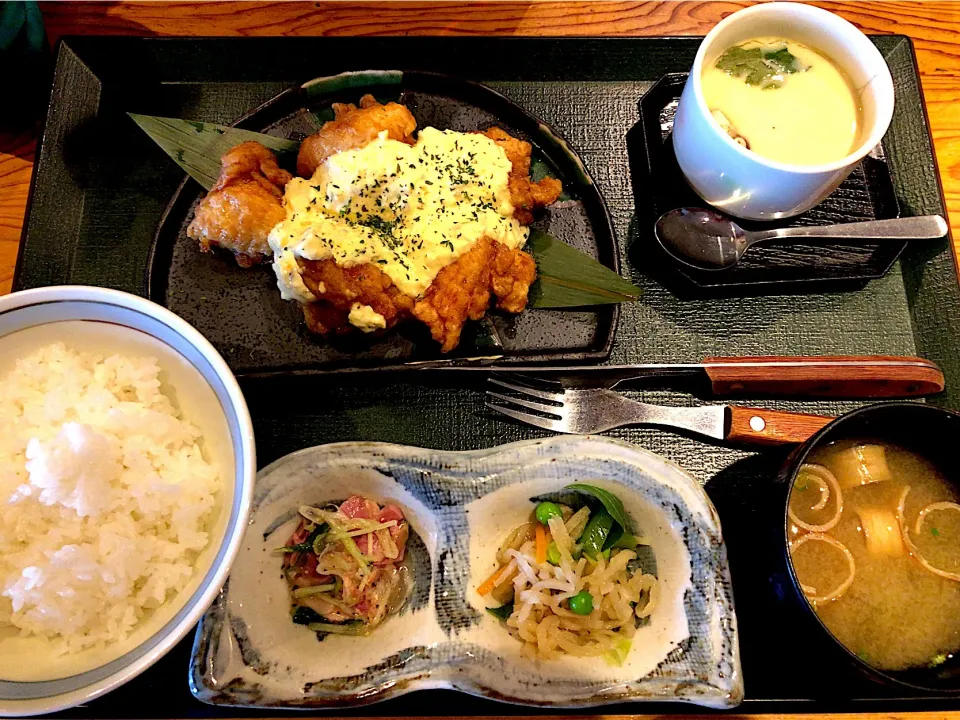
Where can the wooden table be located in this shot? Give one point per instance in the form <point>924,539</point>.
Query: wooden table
<point>934,27</point>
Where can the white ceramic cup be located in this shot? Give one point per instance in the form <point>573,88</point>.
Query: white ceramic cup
<point>743,183</point>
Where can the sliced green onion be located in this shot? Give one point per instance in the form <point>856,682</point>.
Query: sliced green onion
<point>313,590</point>
<point>314,515</point>
<point>351,628</point>
<point>340,534</point>
<point>354,551</point>
<point>319,541</point>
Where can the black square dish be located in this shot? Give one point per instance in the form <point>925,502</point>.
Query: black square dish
<point>659,186</point>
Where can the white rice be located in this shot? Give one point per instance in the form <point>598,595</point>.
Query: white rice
<point>104,497</point>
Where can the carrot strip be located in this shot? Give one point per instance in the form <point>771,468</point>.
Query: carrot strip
<point>541,544</point>
<point>487,585</point>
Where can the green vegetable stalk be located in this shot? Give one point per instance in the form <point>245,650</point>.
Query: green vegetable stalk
<point>595,533</point>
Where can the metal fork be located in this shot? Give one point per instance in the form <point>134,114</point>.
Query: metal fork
<point>595,410</point>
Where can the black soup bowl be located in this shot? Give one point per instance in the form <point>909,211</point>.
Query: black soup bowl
<point>929,431</point>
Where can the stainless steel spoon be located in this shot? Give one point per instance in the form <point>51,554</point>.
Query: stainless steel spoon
<point>707,240</point>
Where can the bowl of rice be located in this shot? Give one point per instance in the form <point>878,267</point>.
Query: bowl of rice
<point>127,465</point>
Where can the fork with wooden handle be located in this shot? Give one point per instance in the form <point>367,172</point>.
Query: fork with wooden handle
<point>594,410</point>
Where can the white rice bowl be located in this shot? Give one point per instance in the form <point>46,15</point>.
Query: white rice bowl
<point>116,465</point>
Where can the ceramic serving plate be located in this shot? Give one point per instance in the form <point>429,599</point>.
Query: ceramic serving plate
<point>258,333</point>
<point>460,505</point>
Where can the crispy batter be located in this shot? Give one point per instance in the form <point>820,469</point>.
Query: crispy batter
<point>525,195</point>
<point>353,128</point>
<point>513,272</point>
<point>241,209</point>
<point>462,290</point>
<point>342,287</point>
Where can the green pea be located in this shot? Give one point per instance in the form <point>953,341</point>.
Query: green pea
<point>547,510</point>
<point>581,603</point>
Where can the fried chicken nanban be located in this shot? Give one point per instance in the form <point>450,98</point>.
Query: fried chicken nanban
<point>353,128</point>
<point>489,273</point>
<point>241,209</point>
<point>247,203</point>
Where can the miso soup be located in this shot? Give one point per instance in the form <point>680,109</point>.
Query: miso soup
<point>784,101</point>
<point>875,541</point>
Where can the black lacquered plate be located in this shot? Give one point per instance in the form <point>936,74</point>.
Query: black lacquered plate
<point>240,310</point>
<point>659,186</point>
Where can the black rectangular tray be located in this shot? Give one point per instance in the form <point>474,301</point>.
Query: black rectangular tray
<point>95,206</point>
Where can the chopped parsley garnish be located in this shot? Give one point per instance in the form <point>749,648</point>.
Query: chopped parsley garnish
<point>462,173</point>
<point>935,532</point>
<point>382,228</point>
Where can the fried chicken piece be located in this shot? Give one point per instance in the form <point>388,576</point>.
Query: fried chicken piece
<point>342,288</point>
<point>353,128</point>
<point>512,274</point>
<point>525,194</point>
<point>461,291</point>
<point>241,209</point>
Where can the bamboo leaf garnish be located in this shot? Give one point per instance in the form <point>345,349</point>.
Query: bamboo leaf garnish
<point>198,146</point>
<point>566,277</point>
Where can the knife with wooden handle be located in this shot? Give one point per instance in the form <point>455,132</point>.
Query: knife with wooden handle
<point>841,376</point>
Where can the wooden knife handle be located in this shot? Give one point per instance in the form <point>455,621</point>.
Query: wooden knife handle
<point>851,376</point>
<point>756,426</point>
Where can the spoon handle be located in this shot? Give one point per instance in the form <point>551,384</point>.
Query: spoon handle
<point>924,227</point>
